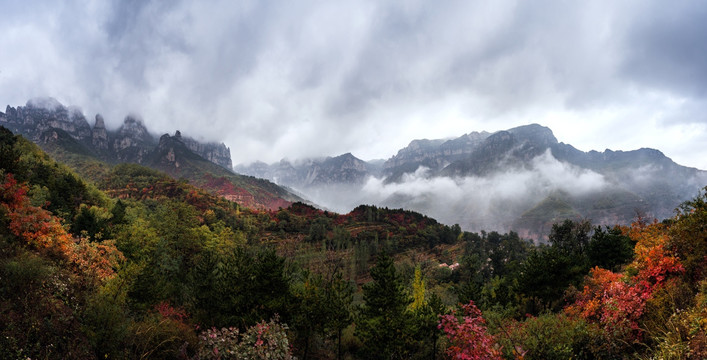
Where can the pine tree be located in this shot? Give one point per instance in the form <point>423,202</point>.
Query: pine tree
<point>384,323</point>
<point>339,295</point>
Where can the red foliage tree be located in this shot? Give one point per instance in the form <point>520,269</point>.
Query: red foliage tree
<point>468,338</point>
<point>617,301</point>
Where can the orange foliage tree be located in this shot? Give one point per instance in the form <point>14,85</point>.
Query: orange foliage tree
<point>42,231</point>
<point>617,301</point>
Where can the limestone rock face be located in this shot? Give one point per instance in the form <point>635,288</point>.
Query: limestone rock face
<point>99,135</point>
<point>166,150</point>
<point>132,142</point>
<point>437,153</point>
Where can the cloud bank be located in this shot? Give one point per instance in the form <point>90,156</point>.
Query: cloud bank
<point>278,79</point>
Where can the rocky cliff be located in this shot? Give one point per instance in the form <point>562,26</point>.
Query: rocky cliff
<point>217,153</point>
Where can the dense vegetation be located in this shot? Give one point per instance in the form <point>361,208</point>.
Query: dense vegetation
<point>134,264</point>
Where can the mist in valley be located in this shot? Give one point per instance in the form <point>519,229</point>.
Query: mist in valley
<point>490,202</point>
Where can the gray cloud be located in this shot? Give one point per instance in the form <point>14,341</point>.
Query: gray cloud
<point>278,79</point>
<point>667,48</point>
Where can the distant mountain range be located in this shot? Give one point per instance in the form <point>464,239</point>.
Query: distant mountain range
<point>520,179</point>
<point>65,130</point>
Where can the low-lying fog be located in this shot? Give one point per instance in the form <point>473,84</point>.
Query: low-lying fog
<point>476,203</point>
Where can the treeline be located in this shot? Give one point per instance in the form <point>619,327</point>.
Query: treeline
<point>135,264</point>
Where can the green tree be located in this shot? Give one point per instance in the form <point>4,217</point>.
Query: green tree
<point>312,312</point>
<point>384,323</point>
<point>319,229</point>
<point>609,248</point>
<point>570,238</point>
<point>239,288</point>
<point>339,297</point>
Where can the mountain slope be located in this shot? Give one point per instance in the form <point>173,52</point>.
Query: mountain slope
<point>65,133</point>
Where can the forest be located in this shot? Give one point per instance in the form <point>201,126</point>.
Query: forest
<point>126,262</point>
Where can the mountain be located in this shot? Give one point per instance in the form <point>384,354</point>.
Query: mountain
<point>433,154</point>
<point>520,179</point>
<point>66,134</point>
<point>344,169</point>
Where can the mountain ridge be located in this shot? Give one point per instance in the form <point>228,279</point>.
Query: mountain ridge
<point>129,143</point>
<point>65,132</point>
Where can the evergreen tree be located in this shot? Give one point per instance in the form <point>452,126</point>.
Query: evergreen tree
<point>609,249</point>
<point>311,313</point>
<point>339,295</point>
<point>384,323</point>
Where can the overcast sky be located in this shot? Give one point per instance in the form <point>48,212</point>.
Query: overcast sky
<point>276,79</point>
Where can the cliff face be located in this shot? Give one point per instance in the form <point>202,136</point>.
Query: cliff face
<point>217,153</point>
<point>132,142</point>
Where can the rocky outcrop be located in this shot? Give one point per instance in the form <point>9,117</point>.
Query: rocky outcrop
<point>438,154</point>
<point>132,142</point>
<point>217,153</point>
<point>99,134</point>
<point>166,152</point>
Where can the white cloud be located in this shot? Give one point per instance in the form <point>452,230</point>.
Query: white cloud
<point>489,202</point>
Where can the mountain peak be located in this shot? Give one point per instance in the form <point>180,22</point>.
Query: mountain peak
<point>536,133</point>
<point>100,123</point>
<point>47,103</point>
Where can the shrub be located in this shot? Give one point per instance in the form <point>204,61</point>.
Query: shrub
<point>264,340</point>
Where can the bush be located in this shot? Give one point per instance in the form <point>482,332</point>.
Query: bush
<point>261,341</point>
<point>551,336</point>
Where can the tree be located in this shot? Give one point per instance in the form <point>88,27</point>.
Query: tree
<point>570,238</point>
<point>92,220</point>
<point>609,248</point>
<point>618,302</point>
<point>312,312</point>
<point>418,290</point>
<point>384,323</point>
<point>339,295</point>
<point>468,337</point>
<point>239,288</point>
<point>548,271</point>
<point>688,236</point>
